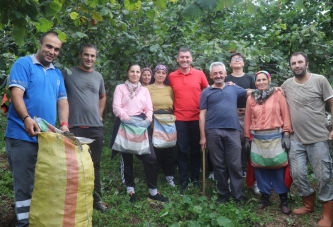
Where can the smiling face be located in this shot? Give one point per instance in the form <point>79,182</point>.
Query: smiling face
<point>299,66</point>
<point>184,60</point>
<point>49,50</point>
<point>160,76</point>
<point>262,82</point>
<point>145,78</point>
<point>88,58</point>
<point>218,74</point>
<point>134,73</point>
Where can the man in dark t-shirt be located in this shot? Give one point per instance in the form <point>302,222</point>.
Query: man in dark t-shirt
<point>86,98</point>
<point>246,81</point>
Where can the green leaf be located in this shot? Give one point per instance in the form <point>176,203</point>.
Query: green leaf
<point>192,11</point>
<point>73,15</point>
<point>81,35</point>
<point>160,4</point>
<point>207,4</point>
<point>130,6</point>
<point>62,36</point>
<point>251,8</point>
<point>55,5</point>
<point>44,25</point>
<point>19,33</point>
<point>97,16</point>
<point>299,4</point>
<point>225,222</point>
<point>92,3</point>
<point>18,14</point>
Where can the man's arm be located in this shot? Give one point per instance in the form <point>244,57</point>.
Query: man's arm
<point>202,123</point>
<point>102,102</point>
<point>31,126</point>
<point>63,112</point>
<point>330,102</point>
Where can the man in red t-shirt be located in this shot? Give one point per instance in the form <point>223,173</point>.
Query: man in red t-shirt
<point>187,84</point>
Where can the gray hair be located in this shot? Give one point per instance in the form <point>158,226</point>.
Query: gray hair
<point>216,64</point>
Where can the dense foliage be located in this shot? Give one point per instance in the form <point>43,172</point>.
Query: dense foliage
<point>150,32</point>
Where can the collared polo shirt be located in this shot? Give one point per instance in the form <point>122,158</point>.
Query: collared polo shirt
<point>42,90</point>
<point>221,106</point>
<point>187,90</point>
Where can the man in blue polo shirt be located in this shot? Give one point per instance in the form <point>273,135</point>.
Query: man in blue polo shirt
<point>220,130</point>
<point>37,89</point>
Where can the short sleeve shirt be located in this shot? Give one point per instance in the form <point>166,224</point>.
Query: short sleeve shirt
<point>187,90</point>
<point>246,81</point>
<point>221,106</point>
<point>84,90</point>
<point>307,108</point>
<point>42,90</point>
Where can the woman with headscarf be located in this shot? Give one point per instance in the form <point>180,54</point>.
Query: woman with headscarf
<point>146,75</point>
<point>131,100</point>
<point>267,118</point>
<point>162,98</point>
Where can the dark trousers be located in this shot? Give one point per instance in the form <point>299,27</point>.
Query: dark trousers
<point>165,159</point>
<point>149,166</point>
<point>22,158</point>
<point>225,153</point>
<point>96,149</point>
<point>188,137</point>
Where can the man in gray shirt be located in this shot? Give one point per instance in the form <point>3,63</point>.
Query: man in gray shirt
<point>306,94</point>
<point>86,97</point>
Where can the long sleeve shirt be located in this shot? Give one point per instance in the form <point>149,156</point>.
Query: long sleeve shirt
<point>273,113</point>
<point>124,106</point>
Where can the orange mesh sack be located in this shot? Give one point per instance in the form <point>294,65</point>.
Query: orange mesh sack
<point>64,183</point>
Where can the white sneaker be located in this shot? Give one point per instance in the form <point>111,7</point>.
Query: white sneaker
<point>211,176</point>
<point>255,188</point>
<point>170,181</point>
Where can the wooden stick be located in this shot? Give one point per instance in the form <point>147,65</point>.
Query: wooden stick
<point>204,172</point>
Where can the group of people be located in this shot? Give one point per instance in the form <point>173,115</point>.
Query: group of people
<point>240,118</point>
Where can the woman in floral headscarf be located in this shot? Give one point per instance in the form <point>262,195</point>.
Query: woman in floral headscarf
<point>162,98</point>
<point>267,118</point>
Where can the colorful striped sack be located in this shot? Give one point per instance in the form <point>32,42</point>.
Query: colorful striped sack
<point>164,131</point>
<point>64,183</point>
<point>267,151</point>
<point>132,139</point>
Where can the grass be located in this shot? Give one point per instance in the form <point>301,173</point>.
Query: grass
<point>192,209</point>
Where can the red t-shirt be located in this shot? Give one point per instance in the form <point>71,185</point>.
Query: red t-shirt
<point>187,90</point>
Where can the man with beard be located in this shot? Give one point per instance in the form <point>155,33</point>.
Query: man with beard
<point>86,97</point>
<point>187,84</point>
<point>306,94</point>
<point>220,130</point>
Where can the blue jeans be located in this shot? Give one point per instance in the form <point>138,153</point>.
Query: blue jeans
<point>321,162</point>
<point>188,138</point>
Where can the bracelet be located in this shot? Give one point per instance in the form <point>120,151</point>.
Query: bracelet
<point>63,123</point>
<point>25,118</point>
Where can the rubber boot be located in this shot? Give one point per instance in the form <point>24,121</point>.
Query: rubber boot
<point>327,215</point>
<point>284,203</point>
<point>264,201</point>
<point>308,204</point>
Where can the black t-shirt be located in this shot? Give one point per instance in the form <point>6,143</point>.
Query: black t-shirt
<point>246,81</point>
